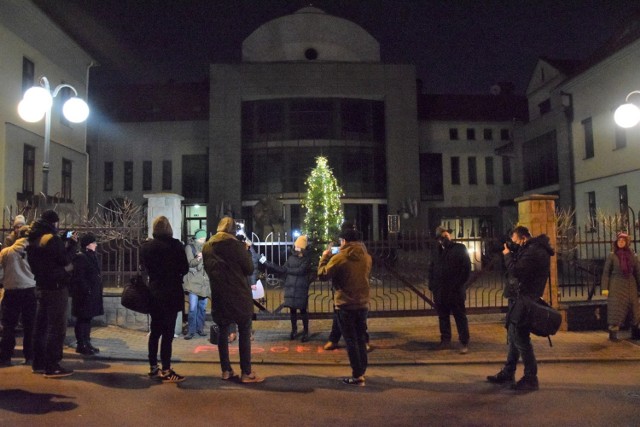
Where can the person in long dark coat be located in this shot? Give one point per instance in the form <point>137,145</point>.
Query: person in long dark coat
<point>296,286</point>
<point>86,293</point>
<point>165,261</point>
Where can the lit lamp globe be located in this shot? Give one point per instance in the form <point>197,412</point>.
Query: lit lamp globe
<point>627,115</point>
<point>75,110</point>
<point>30,112</point>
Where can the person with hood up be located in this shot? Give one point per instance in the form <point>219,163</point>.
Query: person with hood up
<point>19,299</point>
<point>620,280</point>
<point>50,260</point>
<point>86,293</point>
<point>196,284</point>
<point>296,285</point>
<point>349,272</point>
<point>228,263</point>
<point>530,266</point>
<point>164,259</point>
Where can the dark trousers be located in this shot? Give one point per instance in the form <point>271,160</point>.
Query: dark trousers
<point>50,327</point>
<point>83,330</point>
<point>336,333</point>
<point>244,345</point>
<point>163,324</point>
<point>447,305</point>
<point>353,324</point>
<point>16,303</point>
<point>294,319</point>
<point>519,342</point>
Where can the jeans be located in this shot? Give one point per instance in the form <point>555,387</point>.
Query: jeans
<point>244,344</point>
<point>197,313</point>
<point>336,333</point>
<point>447,305</point>
<point>83,330</point>
<point>50,327</point>
<point>18,302</point>
<point>353,324</point>
<point>520,346</point>
<point>163,324</point>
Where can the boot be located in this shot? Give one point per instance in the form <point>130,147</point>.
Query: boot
<point>293,334</point>
<point>526,383</point>
<point>83,349</point>
<point>613,335</point>
<point>94,349</point>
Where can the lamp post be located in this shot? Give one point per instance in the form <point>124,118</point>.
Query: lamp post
<point>627,115</point>
<point>37,102</point>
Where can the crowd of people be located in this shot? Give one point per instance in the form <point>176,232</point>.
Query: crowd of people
<point>42,268</point>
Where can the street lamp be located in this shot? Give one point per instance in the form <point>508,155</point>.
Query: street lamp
<point>627,115</point>
<point>37,103</point>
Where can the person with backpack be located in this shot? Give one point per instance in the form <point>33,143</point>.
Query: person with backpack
<point>196,284</point>
<point>529,265</point>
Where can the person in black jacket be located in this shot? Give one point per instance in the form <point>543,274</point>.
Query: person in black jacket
<point>530,266</point>
<point>86,293</point>
<point>50,261</point>
<point>449,273</point>
<point>164,259</point>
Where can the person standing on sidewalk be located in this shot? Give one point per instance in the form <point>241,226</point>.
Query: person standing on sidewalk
<point>530,266</point>
<point>448,275</point>
<point>50,260</point>
<point>165,261</point>
<point>349,272</point>
<point>196,284</point>
<point>86,293</point>
<point>19,299</point>
<point>228,263</point>
<point>620,280</point>
<point>18,222</point>
<point>296,285</point>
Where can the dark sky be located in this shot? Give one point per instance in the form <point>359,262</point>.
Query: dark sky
<point>458,46</point>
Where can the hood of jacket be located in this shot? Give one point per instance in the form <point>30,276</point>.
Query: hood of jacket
<point>40,228</point>
<point>221,236</point>
<point>543,241</point>
<point>354,251</point>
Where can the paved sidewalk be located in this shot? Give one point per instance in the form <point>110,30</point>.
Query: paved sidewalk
<point>395,341</point>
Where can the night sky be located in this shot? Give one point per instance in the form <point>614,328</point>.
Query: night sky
<point>458,46</point>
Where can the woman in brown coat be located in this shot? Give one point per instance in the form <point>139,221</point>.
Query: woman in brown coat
<point>620,279</point>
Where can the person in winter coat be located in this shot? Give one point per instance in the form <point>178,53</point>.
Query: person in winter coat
<point>196,284</point>
<point>530,266</point>
<point>620,281</point>
<point>448,275</point>
<point>19,299</point>
<point>164,259</point>
<point>50,261</point>
<point>86,293</point>
<point>349,272</point>
<point>18,222</point>
<point>228,263</point>
<point>296,286</point>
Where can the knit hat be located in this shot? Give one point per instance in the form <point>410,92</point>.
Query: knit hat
<point>87,239</point>
<point>19,221</point>
<point>50,216</point>
<point>162,227</point>
<point>227,225</point>
<point>200,234</point>
<point>301,242</point>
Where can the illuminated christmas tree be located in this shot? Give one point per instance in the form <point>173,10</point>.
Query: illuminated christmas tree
<point>323,208</point>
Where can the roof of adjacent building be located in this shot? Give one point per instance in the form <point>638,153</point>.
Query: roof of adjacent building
<point>501,107</point>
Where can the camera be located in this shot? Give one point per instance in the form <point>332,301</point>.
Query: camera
<point>506,240</point>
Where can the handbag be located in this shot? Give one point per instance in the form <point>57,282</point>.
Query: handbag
<point>136,295</point>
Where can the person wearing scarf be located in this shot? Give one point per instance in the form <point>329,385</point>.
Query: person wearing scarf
<point>620,279</point>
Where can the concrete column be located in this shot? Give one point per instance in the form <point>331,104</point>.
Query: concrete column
<point>169,205</point>
<point>537,212</point>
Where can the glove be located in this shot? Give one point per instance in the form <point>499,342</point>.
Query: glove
<point>263,259</point>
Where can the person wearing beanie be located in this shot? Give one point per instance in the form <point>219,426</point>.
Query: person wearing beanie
<point>620,281</point>
<point>86,293</point>
<point>296,285</point>
<point>19,299</point>
<point>164,259</point>
<point>349,272</point>
<point>228,263</point>
<point>50,261</point>
<point>18,222</point>
<point>196,284</point>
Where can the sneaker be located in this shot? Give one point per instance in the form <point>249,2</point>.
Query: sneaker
<point>359,382</point>
<point>464,349</point>
<point>95,350</point>
<point>188,336</point>
<point>251,378</point>
<point>169,376</point>
<point>227,375</point>
<point>84,350</point>
<point>501,378</point>
<point>443,345</point>
<point>57,372</point>
<point>330,345</point>
<point>526,384</point>
<point>154,372</point>
<point>201,333</point>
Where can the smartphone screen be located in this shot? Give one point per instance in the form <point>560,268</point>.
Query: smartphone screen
<point>69,234</point>
<point>335,249</point>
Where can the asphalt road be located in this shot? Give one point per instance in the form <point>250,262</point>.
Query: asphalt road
<point>119,393</point>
